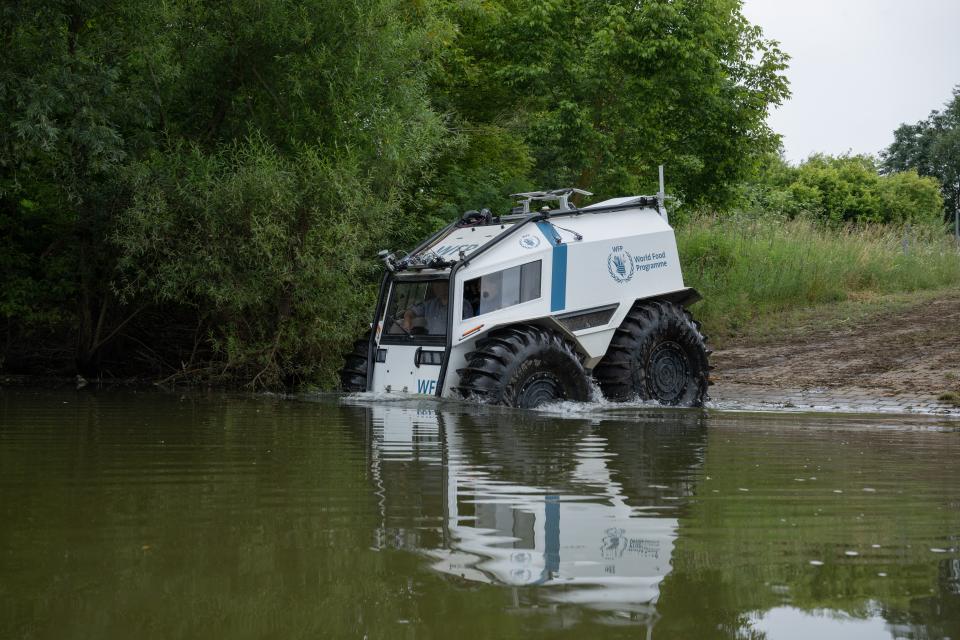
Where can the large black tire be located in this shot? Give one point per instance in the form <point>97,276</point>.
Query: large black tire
<point>353,375</point>
<point>657,353</point>
<point>524,366</point>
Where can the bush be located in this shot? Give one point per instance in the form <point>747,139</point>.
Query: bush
<point>845,189</point>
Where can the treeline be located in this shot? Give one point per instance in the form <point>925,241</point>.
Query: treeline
<point>194,191</point>
<point>915,180</point>
<point>843,190</point>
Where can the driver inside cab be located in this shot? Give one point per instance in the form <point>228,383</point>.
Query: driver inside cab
<point>430,316</point>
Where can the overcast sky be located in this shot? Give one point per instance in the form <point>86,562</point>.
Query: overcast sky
<point>859,68</point>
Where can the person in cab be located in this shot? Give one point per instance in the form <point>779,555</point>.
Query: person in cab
<point>429,317</point>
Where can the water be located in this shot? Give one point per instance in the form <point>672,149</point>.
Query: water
<point>159,516</point>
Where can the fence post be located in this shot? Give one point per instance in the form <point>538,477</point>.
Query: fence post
<point>956,216</point>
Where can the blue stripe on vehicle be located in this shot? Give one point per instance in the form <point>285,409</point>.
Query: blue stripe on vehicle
<point>558,285</point>
<point>558,292</point>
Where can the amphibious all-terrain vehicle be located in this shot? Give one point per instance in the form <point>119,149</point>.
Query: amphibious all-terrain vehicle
<point>523,309</point>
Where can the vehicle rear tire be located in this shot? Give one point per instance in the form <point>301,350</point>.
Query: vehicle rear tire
<point>353,375</point>
<point>524,366</point>
<point>657,353</point>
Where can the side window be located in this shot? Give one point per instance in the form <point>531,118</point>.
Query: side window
<point>501,289</point>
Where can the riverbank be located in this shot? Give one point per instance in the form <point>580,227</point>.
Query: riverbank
<point>900,349</point>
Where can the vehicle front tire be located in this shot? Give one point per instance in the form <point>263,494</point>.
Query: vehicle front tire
<point>353,375</point>
<point>657,353</point>
<point>524,366</point>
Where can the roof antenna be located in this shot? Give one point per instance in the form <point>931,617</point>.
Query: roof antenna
<point>661,196</point>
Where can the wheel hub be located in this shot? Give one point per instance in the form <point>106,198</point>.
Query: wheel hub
<point>539,389</point>
<point>669,370</point>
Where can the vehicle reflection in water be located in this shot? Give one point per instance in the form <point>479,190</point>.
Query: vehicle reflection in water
<point>585,513</point>
<point>759,526</point>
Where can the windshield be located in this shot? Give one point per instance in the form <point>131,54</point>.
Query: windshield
<point>418,309</point>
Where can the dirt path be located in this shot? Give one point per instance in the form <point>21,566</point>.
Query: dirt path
<point>909,353</point>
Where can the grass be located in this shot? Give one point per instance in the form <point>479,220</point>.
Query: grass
<point>951,397</point>
<point>858,308</point>
<point>751,271</point>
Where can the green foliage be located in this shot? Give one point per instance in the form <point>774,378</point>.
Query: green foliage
<point>240,161</point>
<point>271,236</point>
<point>748,549</point>
<point>479,168</point>
<point>599,93</point>
<point>747,267</point>
<point>68,116</point>
<point>270,248</point>
<point>202,186</point>
<point>931,147</point>
<point>844,189</point>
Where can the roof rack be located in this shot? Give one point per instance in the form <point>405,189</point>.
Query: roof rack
<point>560,196</point>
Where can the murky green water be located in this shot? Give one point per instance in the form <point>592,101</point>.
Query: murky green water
<point>156,516</point>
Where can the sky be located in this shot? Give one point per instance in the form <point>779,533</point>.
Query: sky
<point>859,68</point>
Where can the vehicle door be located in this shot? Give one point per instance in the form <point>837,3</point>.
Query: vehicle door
<point>412,336</point>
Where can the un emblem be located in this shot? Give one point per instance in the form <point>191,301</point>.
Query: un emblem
<point>620,265</point>
<point>529,241</point>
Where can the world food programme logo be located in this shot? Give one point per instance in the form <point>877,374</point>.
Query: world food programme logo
<point>613,544</point>
<point>529,241</point>
<point>620,265</point>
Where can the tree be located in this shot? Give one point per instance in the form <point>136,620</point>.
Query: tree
<point>599,93</point>
<point>931,147</point>
<point>237,162</point>
<point>67,118</point>
<point>299,129</point>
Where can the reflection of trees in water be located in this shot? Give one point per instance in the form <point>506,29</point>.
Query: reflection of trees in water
<point>658,454</point>
<point>741,553</point>
<point>152,516</point>
<point>256,518</point>
<point>936,615</point>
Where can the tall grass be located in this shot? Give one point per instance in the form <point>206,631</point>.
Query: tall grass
<point>746,268</point>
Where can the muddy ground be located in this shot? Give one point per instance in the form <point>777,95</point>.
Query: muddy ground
<point>911,352</point>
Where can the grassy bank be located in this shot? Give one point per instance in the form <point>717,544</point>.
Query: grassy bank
<point>749,270</point>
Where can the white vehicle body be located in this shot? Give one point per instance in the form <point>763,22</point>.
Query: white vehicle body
<point>592,265</point>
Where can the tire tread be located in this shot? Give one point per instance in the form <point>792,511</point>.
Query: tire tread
<point>619,375</point>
